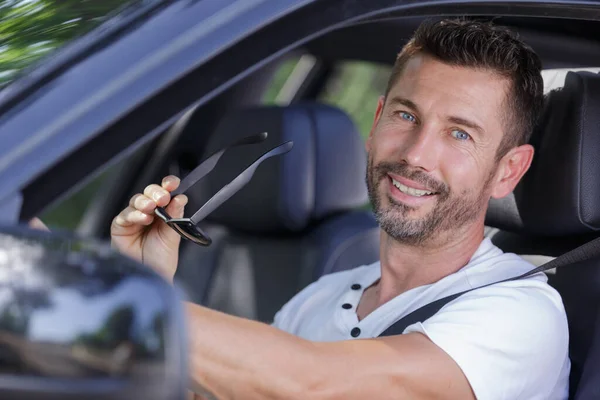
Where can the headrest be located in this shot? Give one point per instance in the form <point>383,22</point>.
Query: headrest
<point>324,173</point>
<point>560,194</point>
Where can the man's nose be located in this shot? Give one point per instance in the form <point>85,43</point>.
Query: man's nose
<point>422,150</point>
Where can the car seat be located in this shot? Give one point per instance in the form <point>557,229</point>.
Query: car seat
<point>302,215</point>
<point>556,208</point>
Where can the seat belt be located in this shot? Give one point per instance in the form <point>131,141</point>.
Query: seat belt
<point>581,253</point>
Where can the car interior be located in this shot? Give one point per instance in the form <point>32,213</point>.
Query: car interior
<point>306,214</point>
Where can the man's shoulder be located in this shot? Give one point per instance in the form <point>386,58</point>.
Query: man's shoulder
<point>506,327</point>
<point>497,268</point>
<point>491,264</point>
<point>529,302</point>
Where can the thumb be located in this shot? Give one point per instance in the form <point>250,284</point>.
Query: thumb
<point>176,206</point>
<point>175,209</point>
<point>37,223</point>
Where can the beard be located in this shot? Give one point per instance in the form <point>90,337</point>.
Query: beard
<point>451,211</point>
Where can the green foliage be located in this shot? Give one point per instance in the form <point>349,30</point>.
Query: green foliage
<point>355,88</point>
<point>31,29</point>
<point>278,81</point>
<point>68,213</point>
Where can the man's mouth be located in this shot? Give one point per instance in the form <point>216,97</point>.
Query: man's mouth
<point>410,190</point>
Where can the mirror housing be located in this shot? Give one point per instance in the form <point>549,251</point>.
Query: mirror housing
<point>81,321</point>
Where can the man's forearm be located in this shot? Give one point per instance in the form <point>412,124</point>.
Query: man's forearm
<point>233,357</point>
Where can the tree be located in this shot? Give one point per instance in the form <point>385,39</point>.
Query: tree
<point>31,29</point>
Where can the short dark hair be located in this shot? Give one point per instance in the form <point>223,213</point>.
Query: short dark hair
<point>476,44</point>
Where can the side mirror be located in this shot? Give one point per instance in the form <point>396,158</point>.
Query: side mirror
<point>80,321</point>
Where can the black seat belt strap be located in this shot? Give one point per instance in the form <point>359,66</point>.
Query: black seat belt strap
<point>581,253</point>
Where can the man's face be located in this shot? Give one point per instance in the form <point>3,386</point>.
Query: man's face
<point>432,150</point>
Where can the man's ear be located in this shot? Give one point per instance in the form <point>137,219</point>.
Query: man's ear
<point>380,104</point>
<point>511,169</point>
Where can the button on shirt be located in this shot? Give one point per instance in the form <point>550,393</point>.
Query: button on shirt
<point>510,339</point>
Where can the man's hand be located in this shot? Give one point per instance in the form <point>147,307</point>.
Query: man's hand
<point>137,233</point>
<point>37,223</point>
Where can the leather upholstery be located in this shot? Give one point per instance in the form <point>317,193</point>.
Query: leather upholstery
<point>559,194</point>
<point>323,173</point>
<point>579,286</point>
<point>302,215</point>
<point>557,208</point>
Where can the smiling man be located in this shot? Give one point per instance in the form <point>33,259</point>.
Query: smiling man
<point>450,133</point>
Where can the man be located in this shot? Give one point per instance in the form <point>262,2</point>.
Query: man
<point>450,133</point>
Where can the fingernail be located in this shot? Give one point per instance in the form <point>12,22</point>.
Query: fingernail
<point>184,200</point>
<point>170,179</point>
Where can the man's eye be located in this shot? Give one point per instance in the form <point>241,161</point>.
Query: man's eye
<point>406,116</point>
<point>460,135</point>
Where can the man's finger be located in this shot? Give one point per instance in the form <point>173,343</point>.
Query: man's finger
<point>170,183</point>
<point>130,216</point>
<point>133,199</point>
<point>175,210</point>
<point>177,206</point>
<point>159,195</point>
<point>143,204</point>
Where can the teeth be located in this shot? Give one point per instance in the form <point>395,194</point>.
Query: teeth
<point>409,190</point>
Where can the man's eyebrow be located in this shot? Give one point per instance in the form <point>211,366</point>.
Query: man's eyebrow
<point>397,100</point>
<point>467,123</point>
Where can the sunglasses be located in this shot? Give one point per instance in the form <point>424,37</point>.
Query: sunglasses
<point>188,227</point>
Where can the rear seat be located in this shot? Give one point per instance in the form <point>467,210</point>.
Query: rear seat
<point>301,216</point>
<point>556,208</point>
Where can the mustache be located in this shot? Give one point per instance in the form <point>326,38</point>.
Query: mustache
<point>404,170</point>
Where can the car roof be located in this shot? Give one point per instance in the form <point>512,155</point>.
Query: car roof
<point>100,105</point>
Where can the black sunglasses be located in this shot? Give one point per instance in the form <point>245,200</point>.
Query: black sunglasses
<point>188,227</point>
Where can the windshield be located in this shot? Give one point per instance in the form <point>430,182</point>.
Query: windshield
<point>32,29</point>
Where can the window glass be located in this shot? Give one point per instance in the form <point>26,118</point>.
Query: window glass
<point>32,29</point>
<point>280,79</point>
<point>555,78</point>
<point>68,213</point>
<point>355,87</point>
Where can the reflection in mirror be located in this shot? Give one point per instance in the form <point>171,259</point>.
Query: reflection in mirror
<point>77,312</point>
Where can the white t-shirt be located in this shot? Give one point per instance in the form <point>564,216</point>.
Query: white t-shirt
<point>510,340</point>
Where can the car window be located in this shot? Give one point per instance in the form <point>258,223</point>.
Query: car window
<point>70,211</point>
<point>33,29</point>
<point>555,78</point>
<point>280,80</point>
<point>355,87</point>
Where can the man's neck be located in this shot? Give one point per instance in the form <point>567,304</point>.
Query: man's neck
<point>404,266</point>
